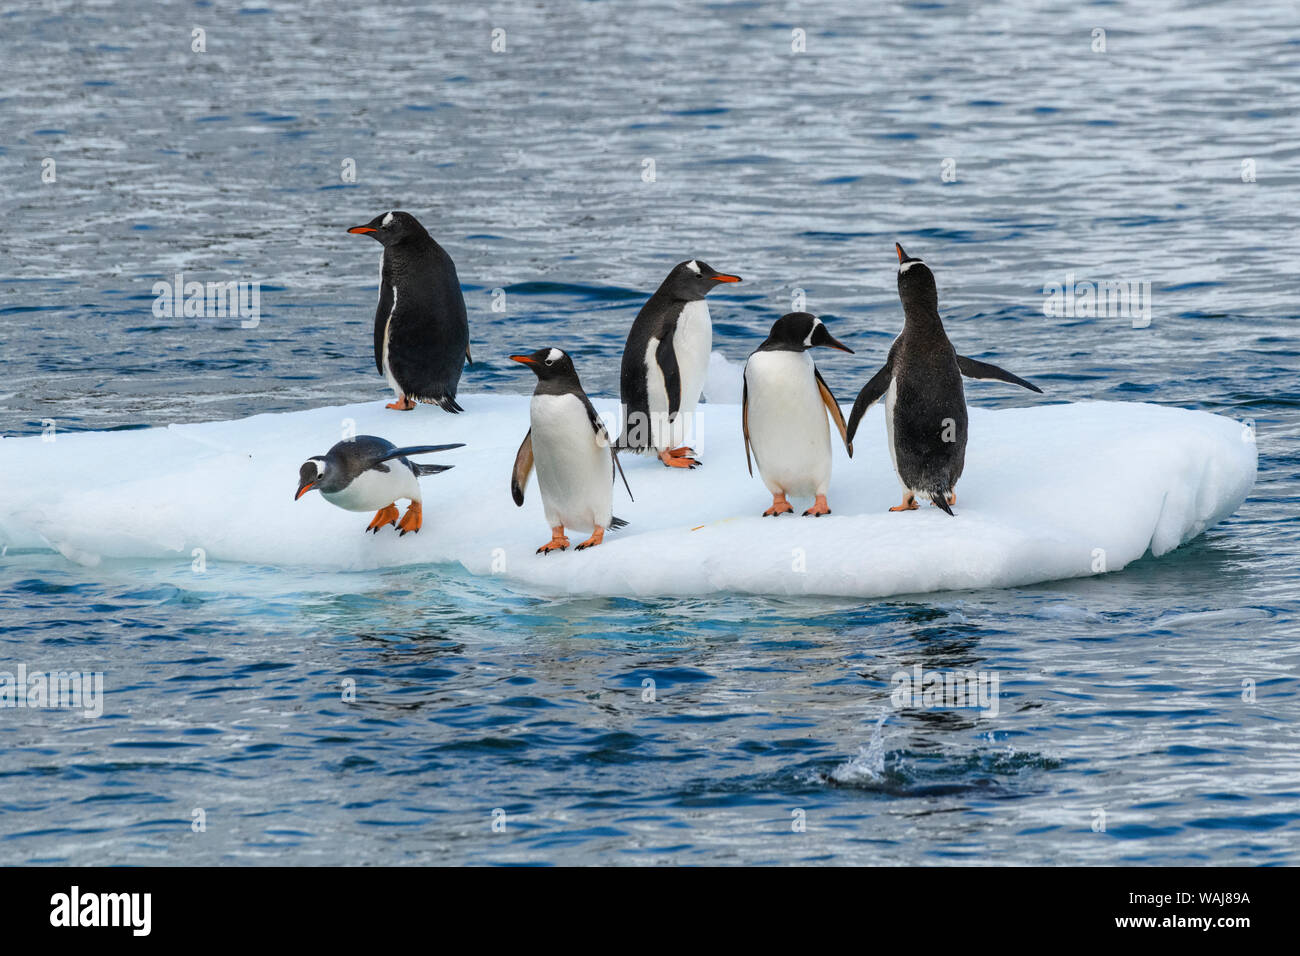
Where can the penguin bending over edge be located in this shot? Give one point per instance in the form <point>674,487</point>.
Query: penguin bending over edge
<point>665,361</point>
<point>783,413</point>
<point>925,405</point>
<point>575,459</point>
<point>421,330</point>
<point>362,475</point>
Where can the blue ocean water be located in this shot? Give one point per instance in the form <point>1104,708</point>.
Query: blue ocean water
<point>1146,717</point>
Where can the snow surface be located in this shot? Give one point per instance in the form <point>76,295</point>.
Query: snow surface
<point>1049,491</point>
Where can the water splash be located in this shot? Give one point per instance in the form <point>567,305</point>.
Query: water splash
<point>868,766</point>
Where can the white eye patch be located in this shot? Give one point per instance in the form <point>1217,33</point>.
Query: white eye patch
<point>387,220</point>
<point>693,266</point>
<point>907,265</point>
<point>553,356</point>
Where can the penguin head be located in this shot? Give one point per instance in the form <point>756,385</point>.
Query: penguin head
<point>916,282</point>
<point>694,279</point>
<point>391,227</point>
<point>798,332</point>
<point>549,365</point>
<point>309,476</point>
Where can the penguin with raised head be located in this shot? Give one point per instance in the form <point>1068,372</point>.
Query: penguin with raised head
<point>665,361</point>
<point>572,452</point>
<point>367,473</point>
<point>925,405</point>
<point>783,414</point>
<point>421,330</point>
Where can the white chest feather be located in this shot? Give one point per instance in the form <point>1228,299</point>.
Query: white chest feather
<point>372,490</point>
<point>788,428</point>
<point>574,469</point>
<point>692,341</point>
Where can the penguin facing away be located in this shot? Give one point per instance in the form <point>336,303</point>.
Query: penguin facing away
<point>665,361</point>
<point>421,329</point>
<point>572,452</point>
<point>925,404</point>
<point>367,473</point>
<point>783,413</point>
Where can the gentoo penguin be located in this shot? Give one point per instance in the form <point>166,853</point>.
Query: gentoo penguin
<point>664,362</point>
<point>421,332</point>
<point>925,406</point>
<point>361,475</point>
<point>783,414</point>
<point>573,454</point>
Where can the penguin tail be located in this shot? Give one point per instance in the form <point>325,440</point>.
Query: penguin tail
<point>940,498</point>
<point>448,404</point>
<point>616,523</point>
<point>422,470</point>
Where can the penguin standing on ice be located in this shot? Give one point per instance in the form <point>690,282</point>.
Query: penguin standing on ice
<point>925,405</point>
<point>421,331</point>
<point>575,459</point>
<point>664,363</point>
<point>783,414</point>
<point>370,474</point>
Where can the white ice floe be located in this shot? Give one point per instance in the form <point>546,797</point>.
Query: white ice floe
<point>1050,491</point>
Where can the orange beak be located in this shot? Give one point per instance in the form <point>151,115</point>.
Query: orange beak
<point>523,359</point>
<point>304,489</point>
<point>900,251</point>
<point>361,229</point>
<point>723,277</point>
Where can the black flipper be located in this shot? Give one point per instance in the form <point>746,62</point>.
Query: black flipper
<point>602,436</point>
<point>619,465</point>
<point>523,468</point>
<point>982,370</point>
<point>667,360</point>
<point>381,315</point>
<point>744,423</point>
<point>418,450</point>
<point>871,393</point>
<point>832,407</point>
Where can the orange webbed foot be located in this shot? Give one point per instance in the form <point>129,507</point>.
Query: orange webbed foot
<point>384,516</point>
<point>909,503</point>
<point>597,536</point>
<point>558,541</point>
<point>403,404</point>
<point>412,521</point>
<point>672,459</point>
<point>779,507</point>
<point>819,508</point>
